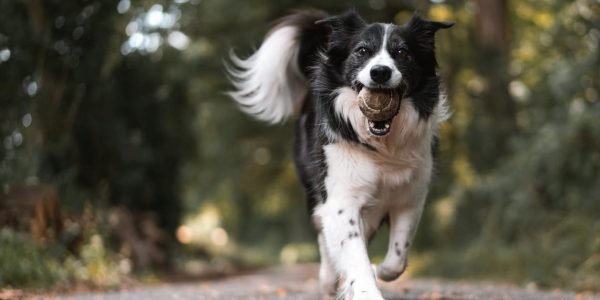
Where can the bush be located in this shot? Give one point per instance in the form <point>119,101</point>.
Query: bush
<point>24,263</point>
<point>536,216</point>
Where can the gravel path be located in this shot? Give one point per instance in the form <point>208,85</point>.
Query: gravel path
<point>300,282</point>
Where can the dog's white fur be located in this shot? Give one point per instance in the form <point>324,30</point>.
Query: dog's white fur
<point>269,84</point>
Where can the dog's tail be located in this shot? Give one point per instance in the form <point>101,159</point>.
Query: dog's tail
<point>272,83</point>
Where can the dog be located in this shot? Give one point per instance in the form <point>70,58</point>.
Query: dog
<point>357,173</point>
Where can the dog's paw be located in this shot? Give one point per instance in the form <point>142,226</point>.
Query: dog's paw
<point>328,296</point>
<point>390,273</point>
<point>327,282</point>
<point>328,291</point>
<point>364,295</point>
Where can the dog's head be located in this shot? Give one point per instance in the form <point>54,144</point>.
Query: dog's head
<point>382,57</point>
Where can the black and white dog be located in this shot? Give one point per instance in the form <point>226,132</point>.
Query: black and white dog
<point>357,173</point>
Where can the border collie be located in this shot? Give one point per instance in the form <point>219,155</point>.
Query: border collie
<point>358,173</point>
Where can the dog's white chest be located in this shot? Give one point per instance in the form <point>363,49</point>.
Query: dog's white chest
<point>367,173</point>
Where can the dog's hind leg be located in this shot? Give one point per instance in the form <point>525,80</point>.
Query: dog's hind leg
<point>327,275</point>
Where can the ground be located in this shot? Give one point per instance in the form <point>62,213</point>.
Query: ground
<point>300,282</point>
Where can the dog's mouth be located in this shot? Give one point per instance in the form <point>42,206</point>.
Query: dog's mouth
<point>379,106</point>
<point>380,128</point>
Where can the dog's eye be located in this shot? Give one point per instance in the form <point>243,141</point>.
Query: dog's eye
<point>362,51</point>
<point>402,54</point>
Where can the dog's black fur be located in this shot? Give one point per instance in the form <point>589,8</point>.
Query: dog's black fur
<point>338,37</point>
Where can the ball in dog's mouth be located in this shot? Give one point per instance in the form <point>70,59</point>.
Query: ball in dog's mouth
<point>380,107</point>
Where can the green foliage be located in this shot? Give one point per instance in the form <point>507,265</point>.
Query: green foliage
<point>97,265</point>
<point>86,118</point>
<point>536,220</point>
<point>24,263</point>
<point>534,215</point>
<point>29,264</point>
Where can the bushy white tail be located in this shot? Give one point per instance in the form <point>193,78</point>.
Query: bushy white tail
<point>269,84</point>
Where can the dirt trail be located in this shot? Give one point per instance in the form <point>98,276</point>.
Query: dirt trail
<point>300,282</point>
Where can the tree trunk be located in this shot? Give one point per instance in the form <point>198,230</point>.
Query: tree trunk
<point>493,111</point>
<point>490,18</point>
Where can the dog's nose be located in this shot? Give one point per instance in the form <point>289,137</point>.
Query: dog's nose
<point>381,74</point>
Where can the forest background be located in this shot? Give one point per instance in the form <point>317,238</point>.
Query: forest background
<point>114,127</point>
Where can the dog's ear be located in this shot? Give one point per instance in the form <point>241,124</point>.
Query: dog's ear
<point>422,30</point>
<point>342,29</point>
<point>419,23</point>
<point>347,22</point>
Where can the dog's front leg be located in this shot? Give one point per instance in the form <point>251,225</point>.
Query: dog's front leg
<point>404,219</point>
<point>342,232</point>
<point>402,226</point>
<point>327,274</point>
<point>350,185</point>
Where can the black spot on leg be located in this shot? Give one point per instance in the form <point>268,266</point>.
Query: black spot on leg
<point>350,235</point>
<point>397,249</point>
<point>352,222</point>
<point>342,244</point>
<point>340,211</point>
<point>406,244</point>
<point>356,234</point>
<point>352,282</point>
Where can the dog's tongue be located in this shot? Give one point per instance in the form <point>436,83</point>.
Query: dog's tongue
<point>378,105</point>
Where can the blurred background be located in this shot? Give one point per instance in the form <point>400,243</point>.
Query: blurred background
<point>121,158</point>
